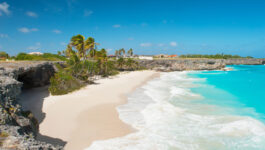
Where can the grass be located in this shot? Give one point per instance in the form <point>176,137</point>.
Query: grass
<point>3,136</point>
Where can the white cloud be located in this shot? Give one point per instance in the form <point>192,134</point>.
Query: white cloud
<point>27,30</point>
<point>56,31</point>
<point>4,9</point>
<point>146,44</point>
<point>34,29</point>
<point>160,44</point>
<point>24,30</point>
<point>116,26</point>
<point>3,35</point>
<point>37,46</point>
<point>88,13</point>
<point>173,44</point>
<point>32,14</point>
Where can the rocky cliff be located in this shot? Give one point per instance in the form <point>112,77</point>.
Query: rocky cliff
<point>18,128</point>
<point>195,64</point>
<point>182,64</point>
<point>244,61</point>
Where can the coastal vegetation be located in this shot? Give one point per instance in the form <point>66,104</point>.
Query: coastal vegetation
<point>3,55</point>
<point>3,136</point>
<point>84,63</point>
<point>216,56</point>
<point>43,57</point>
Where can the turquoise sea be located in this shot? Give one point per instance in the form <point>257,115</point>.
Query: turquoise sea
<point>243,88</point>
<point>195,110</point>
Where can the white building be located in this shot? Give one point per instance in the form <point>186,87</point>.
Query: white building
<point>35,53</point>
<point>147,57</point>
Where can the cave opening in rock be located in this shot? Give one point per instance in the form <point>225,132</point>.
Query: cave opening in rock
<point>34,91</point>
<point>36,77</point>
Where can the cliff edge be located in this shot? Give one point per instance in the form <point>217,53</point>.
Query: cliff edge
<point>19,128</point>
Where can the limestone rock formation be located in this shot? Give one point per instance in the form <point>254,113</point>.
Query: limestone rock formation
<point>18,128</point>
<point>166,65</point>
<point>182,64</point>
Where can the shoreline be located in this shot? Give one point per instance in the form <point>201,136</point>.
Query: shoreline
<point>174,109</point>
<point>79,122</point>
<point>115,128</point>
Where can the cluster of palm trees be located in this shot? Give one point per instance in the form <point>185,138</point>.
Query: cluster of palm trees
<point>85,47</point>
<point>85,62</point>
<point>122,53</point>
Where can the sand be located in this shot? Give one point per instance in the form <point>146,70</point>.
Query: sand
<point>89,114</point>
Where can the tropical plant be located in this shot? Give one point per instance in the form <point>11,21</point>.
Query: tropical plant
<point>44,57</point>
<point>104,53</point>
<point>63,82</point>
<point>130,63</point>
<point>68,52</point>
<point>82,45</point>
<point>91,45</point>
<point>3,55</point>
<point>78,42</point>
<point>120,62</point>
<point>79,71</point>
<point>130,52</point>
<point>117,53</point>
<point>122,52</point>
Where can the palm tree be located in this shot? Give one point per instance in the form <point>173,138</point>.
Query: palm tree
<point>83,45</point>
<point>122,51</point>
<point>117,53</point>
<point>130,52</point>
<point>91,45</point>
<point>103,59</point>
<point>103,53</point>
<point>78,42</point>
<point>69,51</point>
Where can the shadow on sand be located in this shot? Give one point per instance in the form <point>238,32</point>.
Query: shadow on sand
<point>32,99</point>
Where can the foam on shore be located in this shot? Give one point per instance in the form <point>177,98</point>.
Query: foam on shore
<point>169,116</point>
<point>86,115</point>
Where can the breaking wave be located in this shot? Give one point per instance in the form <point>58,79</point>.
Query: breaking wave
<point>167,115</point>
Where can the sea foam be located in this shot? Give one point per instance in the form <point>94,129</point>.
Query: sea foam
<point>168,116</point>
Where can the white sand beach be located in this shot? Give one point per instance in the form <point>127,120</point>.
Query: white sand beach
<point>89,114</point>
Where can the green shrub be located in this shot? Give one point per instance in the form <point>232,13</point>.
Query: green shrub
<point>63,82</point>
<point>3,55</point>
<point>44,57</point>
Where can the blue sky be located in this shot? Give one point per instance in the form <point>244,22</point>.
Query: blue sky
<point>147,26</point>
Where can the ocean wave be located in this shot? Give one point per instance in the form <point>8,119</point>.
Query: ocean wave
<point>166,115</point>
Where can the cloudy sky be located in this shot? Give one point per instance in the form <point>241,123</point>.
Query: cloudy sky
<point>147,26</point>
